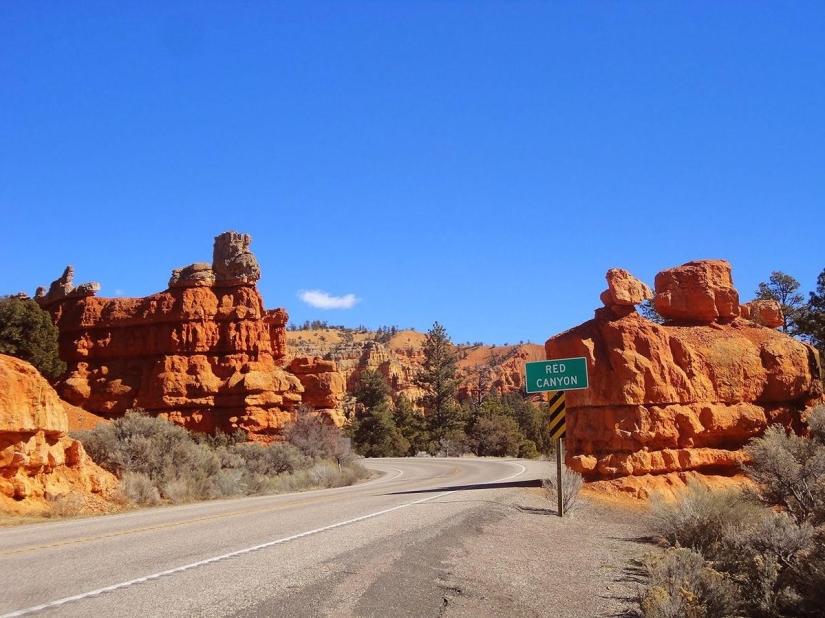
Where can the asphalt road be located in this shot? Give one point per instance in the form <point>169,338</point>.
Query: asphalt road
<point>375,549</point>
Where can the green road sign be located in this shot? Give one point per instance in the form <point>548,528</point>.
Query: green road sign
<point>561,374</point>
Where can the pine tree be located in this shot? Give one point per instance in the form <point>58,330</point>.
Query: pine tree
<point>412,425</point>
<point>438,380</point>
<point>27,332</point>
<point>783,288</point>
<point>811,321</point>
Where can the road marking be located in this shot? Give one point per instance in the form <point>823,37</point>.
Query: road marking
<point>360,489</point>
<point>200,563</point>
<point>512,476</point>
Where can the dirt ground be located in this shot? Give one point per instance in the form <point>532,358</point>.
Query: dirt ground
<point>572,567</point>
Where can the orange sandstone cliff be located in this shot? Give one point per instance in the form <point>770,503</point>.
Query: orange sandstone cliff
<point>204,353</point>
<point>39,462</point>
<point>688,394</point>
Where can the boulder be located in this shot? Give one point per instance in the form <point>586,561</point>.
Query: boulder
<point>765,312</point>
<point>624,289</point>
<point>700,291</point>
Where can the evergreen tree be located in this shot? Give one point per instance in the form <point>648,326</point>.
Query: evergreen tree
<point>811,321</point>
<point>412,425</point>
<point>785,289</point>
<point>372,389</point>
<point>27,332</point>
<point>374,432</point>
<point>438,380</point>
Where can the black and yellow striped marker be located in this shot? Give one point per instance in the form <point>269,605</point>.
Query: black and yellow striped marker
<point>556,408</point>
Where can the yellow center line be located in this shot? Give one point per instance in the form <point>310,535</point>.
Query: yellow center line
<point>275,507</point>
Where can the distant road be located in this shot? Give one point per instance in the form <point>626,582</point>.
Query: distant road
<point>375,549</point>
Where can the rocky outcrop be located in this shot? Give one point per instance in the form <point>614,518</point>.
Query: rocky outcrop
<point>38,460</point>
<point>204,353</point>
<point>324,386</point>
<point>398,359</point>
<point>687,394</point>
<point>765,312</point>
<point>64,288</point>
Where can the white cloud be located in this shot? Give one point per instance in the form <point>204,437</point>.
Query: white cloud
<point>322,300</point>
<point>119,292</point>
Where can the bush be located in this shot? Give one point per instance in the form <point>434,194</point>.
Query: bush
<point>28,333</point>
<point>816,424</point>
<point>682,585</point>
<point>277,458</point>
<point>157,460</point>
<point>316,438</point>
<point>790,472</point>
<point>571,483</point>
<point>138,488</point>
<point>700,517</point>
<point>764,542</point>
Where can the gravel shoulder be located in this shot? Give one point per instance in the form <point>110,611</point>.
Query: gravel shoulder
<point>529,562</point>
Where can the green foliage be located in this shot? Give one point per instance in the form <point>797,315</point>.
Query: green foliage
<point>496,435</point>
<point>811,320</point>
<point>372,389</point>
<point>648,310</point>
<point>785,289</point>
<point>413,426</point>
<point>438,380</point>
<point>28,333</point>
<point>375,434</point>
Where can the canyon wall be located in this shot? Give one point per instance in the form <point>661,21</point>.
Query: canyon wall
<point>688,394</point>
<point>204,353</point>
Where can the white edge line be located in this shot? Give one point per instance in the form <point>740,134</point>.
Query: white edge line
<point>193,565</point>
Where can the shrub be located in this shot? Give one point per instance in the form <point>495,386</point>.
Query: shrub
<point>789,472</point>
<point>682,585</point>
<point>66,505</point>
<point>158,460</point>
<point>277,458</point>
<point>699,517</point>
<point>316,438</point>
<point>571,483</point>
<point>138,488</point>
<point>28,333</point>
<point>816,424</point>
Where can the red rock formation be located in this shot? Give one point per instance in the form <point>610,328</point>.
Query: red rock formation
<point>38,461</point>
<point>204,353</point>
<point>686,395</point>
<point>765,312</point>
<point>324,386</point>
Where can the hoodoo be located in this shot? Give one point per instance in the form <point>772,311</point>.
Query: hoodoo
<point>688,394</point>
<point>204,353</point>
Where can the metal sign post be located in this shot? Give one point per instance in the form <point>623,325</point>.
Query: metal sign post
<point>556,408</point>
<point>551,376</point>
<point>560,492</point>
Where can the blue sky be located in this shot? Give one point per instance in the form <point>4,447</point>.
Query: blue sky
<point>477,163</point>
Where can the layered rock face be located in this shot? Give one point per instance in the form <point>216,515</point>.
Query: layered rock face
<point>38,460</point>
<point>204,353</point>
<point>685,395</point>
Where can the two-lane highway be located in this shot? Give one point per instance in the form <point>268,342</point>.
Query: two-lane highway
<point>373,549</point>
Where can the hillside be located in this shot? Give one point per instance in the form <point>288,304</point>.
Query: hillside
<point>399,356</point>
